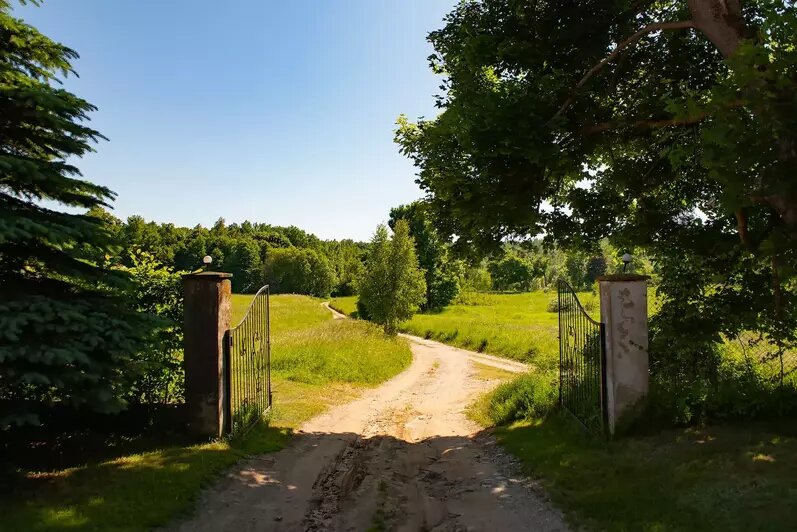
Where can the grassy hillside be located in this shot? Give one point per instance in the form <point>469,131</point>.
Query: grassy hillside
<point>317,361</point>
<point>142,484</point>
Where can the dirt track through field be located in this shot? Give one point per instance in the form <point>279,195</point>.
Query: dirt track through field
<point>402,457</point>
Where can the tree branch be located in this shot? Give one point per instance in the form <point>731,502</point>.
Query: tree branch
<point>658,26</point>
<point>645,124</point>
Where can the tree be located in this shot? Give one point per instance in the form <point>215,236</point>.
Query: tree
<point>246,267</point>
<point>158,291</point>
<point>299,271</point>
<point>346,259</point>
<point>668,126</point>
<point>67,334</point>
<point>441,272</point>
<point>392,288</point>
<point>513,273</point>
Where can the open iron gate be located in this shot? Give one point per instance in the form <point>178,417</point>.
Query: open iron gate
<point>582,362</point>
<point>247,365</point>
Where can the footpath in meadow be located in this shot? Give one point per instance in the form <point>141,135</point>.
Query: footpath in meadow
<point>402,457</point>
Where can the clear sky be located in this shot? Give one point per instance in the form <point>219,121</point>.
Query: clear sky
<point>275,111</point>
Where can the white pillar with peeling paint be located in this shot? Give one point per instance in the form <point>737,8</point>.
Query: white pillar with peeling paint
<point>624,311</point>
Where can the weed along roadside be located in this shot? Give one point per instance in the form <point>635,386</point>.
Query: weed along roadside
<point>144,481</point>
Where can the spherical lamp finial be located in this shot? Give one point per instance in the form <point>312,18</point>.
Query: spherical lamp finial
<point>626,260</point>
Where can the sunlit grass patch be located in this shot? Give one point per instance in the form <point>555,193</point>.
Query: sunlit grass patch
<point>716,478</point>
<point>517,326</point>
<point>491,373</point>
<point>346,305</point>
<point>133,492</point>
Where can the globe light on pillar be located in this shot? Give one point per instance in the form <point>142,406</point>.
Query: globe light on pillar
<point>206,260</point>
<point>626,261</point>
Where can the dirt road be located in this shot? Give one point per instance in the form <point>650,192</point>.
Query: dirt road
<point>402,457</point>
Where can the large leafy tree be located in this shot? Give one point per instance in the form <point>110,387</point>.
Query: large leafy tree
<point>669,125</point>
<point>67,334</point>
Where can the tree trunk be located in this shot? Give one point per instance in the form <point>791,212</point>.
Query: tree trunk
<point>722,23</point>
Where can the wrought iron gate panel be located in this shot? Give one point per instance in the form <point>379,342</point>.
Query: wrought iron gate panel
<point>248,365</point>
<point>582,361</point>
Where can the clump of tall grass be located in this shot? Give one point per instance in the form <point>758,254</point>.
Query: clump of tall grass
<point>529,396</point>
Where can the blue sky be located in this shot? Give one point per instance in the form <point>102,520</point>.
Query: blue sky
<point>270,111</point>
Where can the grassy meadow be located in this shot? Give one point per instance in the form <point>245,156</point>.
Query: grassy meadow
<point>346,305</point>
<point>139,485</point>
<point>517,326</point>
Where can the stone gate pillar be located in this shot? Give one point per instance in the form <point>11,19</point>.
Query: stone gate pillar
<point>208,307</point>
<point>624,311</point>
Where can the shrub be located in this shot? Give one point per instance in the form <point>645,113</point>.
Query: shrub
<point>514,273</point>
<point>362,311</point>
<point>554,306</point>
<point>528,396</point>
<point>157,290</point>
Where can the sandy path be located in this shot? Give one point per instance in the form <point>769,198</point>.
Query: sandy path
<point>402,457</point>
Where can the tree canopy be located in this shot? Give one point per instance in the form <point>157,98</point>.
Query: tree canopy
<point>441,271</point>
<point>666,125</point>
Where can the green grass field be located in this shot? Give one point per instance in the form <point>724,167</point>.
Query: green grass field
<point>517,326</point>
<point>317,363</point>
<point>717,478</point>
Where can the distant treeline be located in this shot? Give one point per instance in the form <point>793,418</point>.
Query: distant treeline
<point>290,259</point>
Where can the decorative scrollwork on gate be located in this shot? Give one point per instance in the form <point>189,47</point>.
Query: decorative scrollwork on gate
<point>582,361</point>
<point>248,365</point>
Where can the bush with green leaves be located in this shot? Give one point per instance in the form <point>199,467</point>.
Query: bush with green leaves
<point>158,291</point>
<point>392,288</point>
<point>68,333</point>
<point>299,271</point>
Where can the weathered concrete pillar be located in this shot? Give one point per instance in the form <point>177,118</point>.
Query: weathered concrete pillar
<point>208,307</point>
<point>624,310</point>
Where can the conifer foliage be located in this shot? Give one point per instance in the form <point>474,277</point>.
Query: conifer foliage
<point>67,335</point>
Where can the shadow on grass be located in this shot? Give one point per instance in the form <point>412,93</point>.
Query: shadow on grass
<point>131,491</point>
<point>717,478</point>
